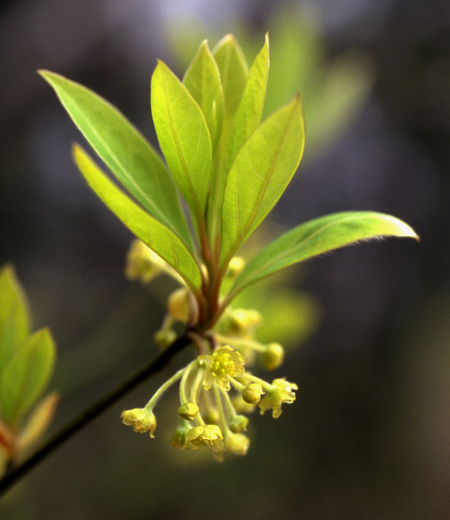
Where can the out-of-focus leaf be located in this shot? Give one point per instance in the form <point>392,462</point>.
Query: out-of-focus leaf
<point>260,174</point>
<point>340,92</point>
<point>316,237</point>
<point>125,151</point>
<point>233,72</point>
<point>202,79</point>
<point>183,136</point>
<point>14,315</point>
<point>154,234</point>
<point>249,111</point>
<point>38,422</point>
<point>26,375</point>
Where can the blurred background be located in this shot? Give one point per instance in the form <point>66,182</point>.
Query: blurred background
<point>367,328</point>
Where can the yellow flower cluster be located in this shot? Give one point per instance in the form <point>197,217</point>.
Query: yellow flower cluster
<point>215,389</point>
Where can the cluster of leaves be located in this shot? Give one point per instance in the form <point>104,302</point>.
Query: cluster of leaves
<point>26,365</point>
<point>333,88</point>
<point>230,169</point>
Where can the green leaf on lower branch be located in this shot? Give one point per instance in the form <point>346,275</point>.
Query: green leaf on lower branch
<point>14,314</point>
<point>154,234</point>
<point>26,375</point>
<point>316,237</point>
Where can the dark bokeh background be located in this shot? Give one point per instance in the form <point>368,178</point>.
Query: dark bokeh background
<point>369,434</point>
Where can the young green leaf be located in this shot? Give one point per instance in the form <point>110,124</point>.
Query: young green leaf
<point>316,237</point>
<point>202,79</point>
<point>260,174</point>
<point>14,314</point>
<point>183,136</point>
<point>154,234</point>
<point>233,72</point>
<point>26,375</point>
<point>125,151</point>
<point>250,109</point>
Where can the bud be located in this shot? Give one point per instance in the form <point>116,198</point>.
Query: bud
<point>211,416</point>
<point>178,305</point>
<point>252,394</point>
<point>179,436</point>
<point>164,338</point>
<point>238,423</point>
<point>237,444</point>
<point>140,419</point>
<point>241,322</point>
<point>240,405</point>
<point>142,263</point>
<point>235,267</point>
<point>273,356</point>
<point>188,411</point>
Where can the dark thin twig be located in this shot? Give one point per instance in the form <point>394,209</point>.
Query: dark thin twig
<point>16,473</point>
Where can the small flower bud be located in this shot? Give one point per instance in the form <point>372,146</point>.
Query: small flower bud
<point>241,406</point>
<point>252,394</point>
<point>142,263</point>
<point>241,322</point>
<point>164,338</point>
<point>237,444</point>
<point>188,411</point>
<point>238,423</point>
<point>178,305</point>
<point>235,267</point>
<point>140,419</point>
<point>211,416</point>
<point>273,356</point>
<point>179,436</point>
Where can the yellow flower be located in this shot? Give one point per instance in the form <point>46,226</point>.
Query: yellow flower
<point>206,435</point>
<point>223,364</point>
<point>140,419</point>
<point>281,392</point>
<point>237,444</point>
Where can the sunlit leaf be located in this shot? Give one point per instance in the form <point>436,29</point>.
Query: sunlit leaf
<point>260,174</point>
<point>319,236</point>
<point>183,136</point>
<point>125,151</point>
<point>233,72</point>
<point>14,315</point>
<point>26,375</point>
<point>154,234</point>
<point>202,79</point>
<point>248,115</point>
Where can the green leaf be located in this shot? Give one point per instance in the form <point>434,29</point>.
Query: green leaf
<point>183,136</point>
<point>125,151</point>
<point>260,174</point>
<point>154,234</point>
<point>316,237</point>
<point>233,72</point>
<point>26,376</point>
<point>250,109</point>
<point>202,79</point>
<point>14,314</point>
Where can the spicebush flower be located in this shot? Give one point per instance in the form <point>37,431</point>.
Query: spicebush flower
<point>206,435</point>
<point>278,393</point>
<point>220,366</point>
